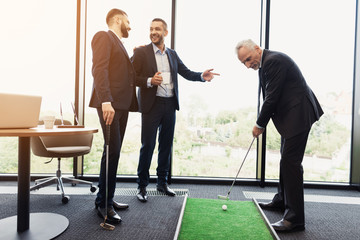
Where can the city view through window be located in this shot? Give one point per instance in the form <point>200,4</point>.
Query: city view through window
<point>213,126</point>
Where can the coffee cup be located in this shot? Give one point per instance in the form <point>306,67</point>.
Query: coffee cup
<point>49,121</point>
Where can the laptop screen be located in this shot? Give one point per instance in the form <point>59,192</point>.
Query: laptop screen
<point>19,111</point>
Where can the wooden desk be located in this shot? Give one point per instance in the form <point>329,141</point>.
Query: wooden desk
<point>43,225</point>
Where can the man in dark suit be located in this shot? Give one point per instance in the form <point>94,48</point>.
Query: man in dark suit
<point>113,95</point>
<point>293,107</point>
<point>156,75</point>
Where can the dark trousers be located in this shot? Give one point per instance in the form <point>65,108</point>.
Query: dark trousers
<point>117,132</point>
<point>291,185</point>
<point>162,116</point>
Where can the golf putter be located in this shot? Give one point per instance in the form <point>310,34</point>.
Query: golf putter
<point>227,196</point>
<point>104,224</point>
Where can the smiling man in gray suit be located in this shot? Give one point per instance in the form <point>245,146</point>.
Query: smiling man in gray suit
<point>293,108</point>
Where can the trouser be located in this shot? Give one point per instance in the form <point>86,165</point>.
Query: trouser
<point>162,116</point>
<point>117,132</point>
<point>291,189</point>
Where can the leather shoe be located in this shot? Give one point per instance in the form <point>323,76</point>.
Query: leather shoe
<point>117,206</point>
<point>142,195</point>
<point>286,226</point>
<point>120,206</point>
<point>272,206</point>
<point>112,216</point>
<point>165,189</point>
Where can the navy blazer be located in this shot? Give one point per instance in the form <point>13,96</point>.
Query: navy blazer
<point>114,75</point>
<point>288,100</point>
<point>145,66</point>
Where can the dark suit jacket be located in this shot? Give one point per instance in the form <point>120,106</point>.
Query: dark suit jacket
<point>114,75</point>
<point>288,100</point>
<point>145,66</point>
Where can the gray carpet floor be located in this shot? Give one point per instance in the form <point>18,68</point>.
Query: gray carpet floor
<point>156,219</point>
<point>330,214</point>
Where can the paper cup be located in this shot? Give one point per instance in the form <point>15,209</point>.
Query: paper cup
<point>166,78</point>
<point>49,121</point>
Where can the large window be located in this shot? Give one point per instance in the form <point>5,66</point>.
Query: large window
<point>214,124</point>
<point>319,36</point>
<point>37,58</point>
<point>140,14</point>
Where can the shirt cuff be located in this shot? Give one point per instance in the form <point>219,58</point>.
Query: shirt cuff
<point>202,79</point>
<point>258,126</point>
<point>149,83</point>
<point>106,103</point>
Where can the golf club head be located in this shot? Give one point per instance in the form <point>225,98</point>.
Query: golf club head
<point>223,197</point>
<point>107,226</point>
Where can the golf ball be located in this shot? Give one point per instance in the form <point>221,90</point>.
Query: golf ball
<point>224,207</point>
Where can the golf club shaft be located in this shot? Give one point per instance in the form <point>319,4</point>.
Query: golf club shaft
<point>240,167</point>
<point>105,225</point>
<point>107,142</point>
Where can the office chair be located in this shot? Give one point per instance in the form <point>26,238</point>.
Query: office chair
<point>61,147</point>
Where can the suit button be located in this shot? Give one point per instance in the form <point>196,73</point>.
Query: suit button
<point>131,85</point>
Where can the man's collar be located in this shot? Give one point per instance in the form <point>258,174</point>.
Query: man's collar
<point>156,49</point>
<point>116,34</point>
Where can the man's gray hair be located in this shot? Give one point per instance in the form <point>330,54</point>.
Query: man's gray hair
<point>245,43</point>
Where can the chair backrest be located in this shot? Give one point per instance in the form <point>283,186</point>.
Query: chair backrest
<point>66,141</point>
<point>57,122</point>
<point>38,148</point>
<point>62,146</point>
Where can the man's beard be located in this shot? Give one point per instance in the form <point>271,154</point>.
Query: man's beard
<point>124,31</point>
<point>159,37</point>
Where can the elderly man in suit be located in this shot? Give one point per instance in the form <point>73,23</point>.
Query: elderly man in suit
<point>156,69</point>
<point>293,107</point>
<point>113,95</point>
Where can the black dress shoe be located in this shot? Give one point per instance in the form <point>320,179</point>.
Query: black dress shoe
<point>165,189</point>
<point>112,216</point>
<point>286,226</point>
<point>272,206</point>
<point>117,206</point>
<point>142,195</point>
<point>120,206</point>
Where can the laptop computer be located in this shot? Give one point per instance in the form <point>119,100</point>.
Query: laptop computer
<point>19,111</point>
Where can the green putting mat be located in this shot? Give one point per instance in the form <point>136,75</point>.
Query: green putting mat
<point>205,219</point>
